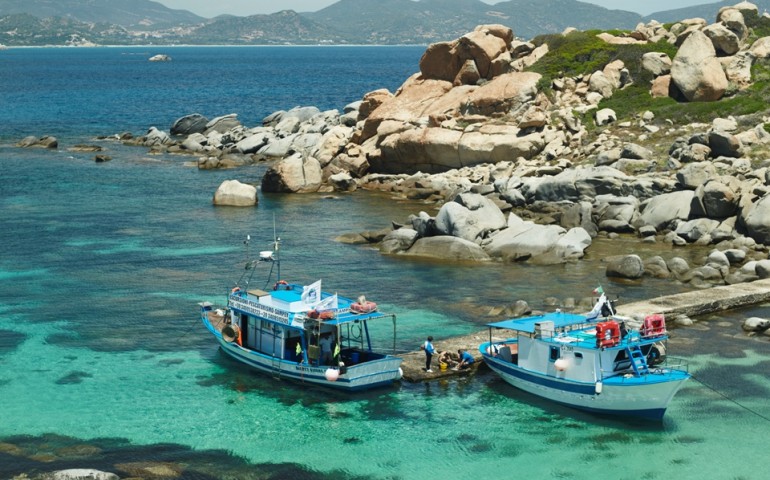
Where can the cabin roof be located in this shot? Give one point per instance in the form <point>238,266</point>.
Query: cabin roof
<point>527,324</point>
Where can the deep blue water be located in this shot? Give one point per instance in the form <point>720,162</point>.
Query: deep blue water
<point>65,91</point>
<point>104,363</point>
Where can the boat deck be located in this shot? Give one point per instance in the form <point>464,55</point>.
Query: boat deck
<point>217,321</point>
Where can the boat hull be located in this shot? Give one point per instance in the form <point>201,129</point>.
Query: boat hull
<point>364,376</point>
<point>645,397</point>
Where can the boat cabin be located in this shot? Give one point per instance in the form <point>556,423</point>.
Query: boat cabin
<point>291,324</point>
<point>570,347</point>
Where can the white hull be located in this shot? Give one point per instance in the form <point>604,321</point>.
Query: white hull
<point>646,397</point>
<point>357,377</point>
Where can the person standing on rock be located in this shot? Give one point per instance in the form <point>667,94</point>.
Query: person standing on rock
<point>429,351</point>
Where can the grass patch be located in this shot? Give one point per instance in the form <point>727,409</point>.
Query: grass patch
<point>580,53</point>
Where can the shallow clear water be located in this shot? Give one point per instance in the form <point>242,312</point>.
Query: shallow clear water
<point>103,361</point>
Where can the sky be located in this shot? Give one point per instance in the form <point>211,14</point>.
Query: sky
<point>242,8</point>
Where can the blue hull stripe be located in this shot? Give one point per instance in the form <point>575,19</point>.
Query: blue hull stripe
<point>284,368</point>
<point>572,387</point>
<point>284,371</point>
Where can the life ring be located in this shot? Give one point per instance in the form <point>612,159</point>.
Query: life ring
<point>279,284</point>
<point>231,333</point>
<point>321,315</point>
<point>363,307</point>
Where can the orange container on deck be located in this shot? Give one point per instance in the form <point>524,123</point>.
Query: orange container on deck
<point>607,334</point>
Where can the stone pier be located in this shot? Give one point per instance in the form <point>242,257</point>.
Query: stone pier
<point>691,304</point>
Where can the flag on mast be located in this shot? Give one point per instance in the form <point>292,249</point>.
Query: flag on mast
<point>328,303</point>
<point>311,294</point>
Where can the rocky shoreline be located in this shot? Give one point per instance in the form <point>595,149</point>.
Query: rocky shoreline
<point>514,172</point>
<point>509,173</point>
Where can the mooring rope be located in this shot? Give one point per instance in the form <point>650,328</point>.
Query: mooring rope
<point>750,410</point>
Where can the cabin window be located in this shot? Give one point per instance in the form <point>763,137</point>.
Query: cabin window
<point>555,353</point>
<point>578,355</point>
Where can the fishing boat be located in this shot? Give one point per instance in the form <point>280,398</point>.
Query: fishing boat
<point>589,361</point>
<point>301,333</point>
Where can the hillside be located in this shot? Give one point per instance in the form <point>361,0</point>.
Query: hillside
<point>707,11</point>
<point>282,28</point>
<point>141,14</point>
<point>381,22</point>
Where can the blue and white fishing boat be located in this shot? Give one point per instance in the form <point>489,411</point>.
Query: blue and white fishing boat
<point>590,362</point>
<point>301,333</point>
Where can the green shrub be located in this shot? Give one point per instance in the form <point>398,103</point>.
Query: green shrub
<point>580,53</point>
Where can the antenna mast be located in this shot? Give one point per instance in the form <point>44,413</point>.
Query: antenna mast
<point>276,248</point>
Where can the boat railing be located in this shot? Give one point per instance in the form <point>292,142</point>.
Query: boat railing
<point>671,364</point>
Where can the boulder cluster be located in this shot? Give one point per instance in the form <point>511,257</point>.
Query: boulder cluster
<point>516,172</point>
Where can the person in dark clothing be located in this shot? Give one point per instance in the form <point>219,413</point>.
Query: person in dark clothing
<point>429,351</point>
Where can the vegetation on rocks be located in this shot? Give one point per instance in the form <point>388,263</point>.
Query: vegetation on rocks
<point>580,53</point>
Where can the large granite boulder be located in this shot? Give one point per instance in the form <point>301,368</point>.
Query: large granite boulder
<point>756,218</point>
<point>696,229</point>
<point>656,63</point>
<point>372,101</point>
<point>252,143</point>
<point>718,198</point>
<point>725,41</point>
<point>479,50</point>
<point>504,94</point>
<point>446,247</point>
<point>189,124</point>
<point>278,147</point>
<point>625,266</point>
<point>578,184</point>
<point>440,62</point>
<point>293,174</point>
<point>693,175</point>
<point>398,241</point>
<point>435,150</point>
<point>696,71</point>
<point>332,144</point>
<point>733,19</point>
<point>616,214</point>
<point>300,114</point>
<point>155,137</point>
<point>470,216</point>
<point>235,194</point>
<point>665,210</point>
<point>413,100</point>
<point>38,142</point>
<point>724,144</point>
<point>481,46</point>
<point>545,244</point>
<point>222,124</point>
<point>760,48</point>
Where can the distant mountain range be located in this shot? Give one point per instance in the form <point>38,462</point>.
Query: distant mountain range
<point>381,22</point>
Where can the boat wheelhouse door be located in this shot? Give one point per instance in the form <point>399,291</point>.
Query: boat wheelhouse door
<point>244,330</point>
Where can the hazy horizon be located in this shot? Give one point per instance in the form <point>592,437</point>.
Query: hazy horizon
<point>242,8</point>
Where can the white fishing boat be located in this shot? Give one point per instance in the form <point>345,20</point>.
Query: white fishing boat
<point>590,362</point>
<point>301,333</point>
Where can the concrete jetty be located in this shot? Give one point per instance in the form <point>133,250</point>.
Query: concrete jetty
<point>691,304</point>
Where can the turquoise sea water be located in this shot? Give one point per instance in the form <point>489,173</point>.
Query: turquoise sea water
<point>103,361</point>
